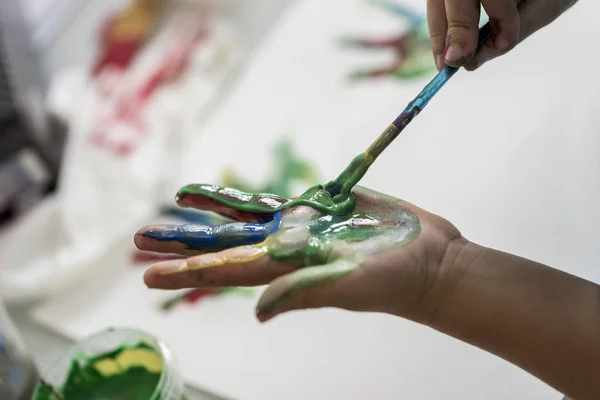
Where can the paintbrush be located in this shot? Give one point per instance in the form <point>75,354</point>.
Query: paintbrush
<point>418,104</point>
<point>422,99</point>
<point>361,163</point>
<point>359,166</point>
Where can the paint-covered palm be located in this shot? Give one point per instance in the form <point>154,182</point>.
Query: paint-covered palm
<point>386,256</point>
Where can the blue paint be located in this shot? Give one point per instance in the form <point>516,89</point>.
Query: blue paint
<point>216,238</point>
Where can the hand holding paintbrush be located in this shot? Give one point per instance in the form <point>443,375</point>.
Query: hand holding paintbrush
<point>361,163</point>
<point>359,166</point>
<point>453,26</point>
<point>456,21</point>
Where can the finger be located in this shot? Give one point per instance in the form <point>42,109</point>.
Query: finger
<point>148,243</point>
<point>486,52</point>
<point>438,30</point>
<point>230,203</point>
<point>532,17</point>
<point>195,239</point>
<point>309,287</point>
<point>239,266</point>
<point>463,31</point>
<point>504,21</point>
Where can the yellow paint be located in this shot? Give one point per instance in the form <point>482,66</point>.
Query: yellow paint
<point>141,357</point>
<point>107,367</point>
<point>244,254</point>
<point>236,255</point>
<point>129,358</point>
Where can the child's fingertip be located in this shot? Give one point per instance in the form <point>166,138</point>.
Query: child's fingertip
<point>264,317</point>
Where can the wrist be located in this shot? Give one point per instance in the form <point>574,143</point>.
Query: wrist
<point>541,319</point>
<point>436,291</point>
<point>459,259</point>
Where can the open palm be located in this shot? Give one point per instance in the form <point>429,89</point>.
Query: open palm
<point>387,256</point>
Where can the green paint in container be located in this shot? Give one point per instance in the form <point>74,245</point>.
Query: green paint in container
<point>115,364</point>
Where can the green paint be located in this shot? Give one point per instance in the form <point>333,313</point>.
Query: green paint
<point>332,241</point>
<point>304,279</point>
<point>324,232</point>
<point>127,373</point>
<point>260,203</point>
<point>334,198</point>
<point>317,197</point>
<point>289,168</point>
<point>335,240</point>
<point>329,247</point>
<point>332,245</point>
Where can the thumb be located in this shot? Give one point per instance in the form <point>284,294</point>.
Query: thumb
<point>463,31</point>
<point>310,287</point>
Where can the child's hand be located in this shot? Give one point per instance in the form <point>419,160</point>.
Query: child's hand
<point>388,256</point>
<point>391,257</point>
<point>453,26</point>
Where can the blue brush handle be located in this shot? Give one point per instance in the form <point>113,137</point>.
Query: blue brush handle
<point>437,83</point>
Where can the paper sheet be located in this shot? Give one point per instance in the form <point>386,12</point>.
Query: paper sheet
<point>104,191</point>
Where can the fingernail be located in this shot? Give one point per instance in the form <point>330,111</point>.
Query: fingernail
<point>264,317</point>
<point>453,53</point>
<point>439,62</point>
<point>501,43</point>
<point>171,267</point>
<point>472,66</point>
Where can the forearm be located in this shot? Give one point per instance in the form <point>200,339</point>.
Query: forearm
<point>538,318</point>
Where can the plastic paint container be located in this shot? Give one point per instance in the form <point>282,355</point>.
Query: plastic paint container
<point>17,371</point>
<point>117,363</point>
